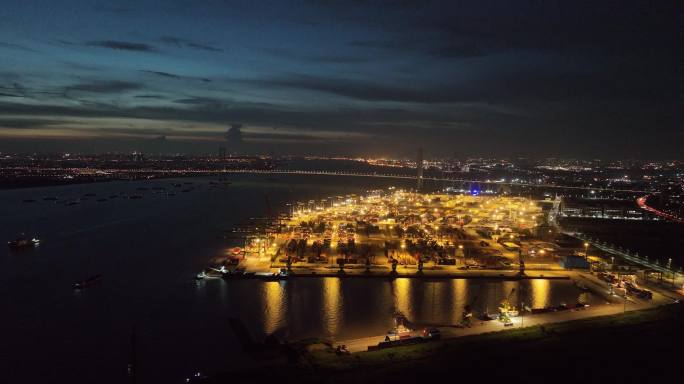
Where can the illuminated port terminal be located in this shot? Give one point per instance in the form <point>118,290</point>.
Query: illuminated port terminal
<point>403,232</point>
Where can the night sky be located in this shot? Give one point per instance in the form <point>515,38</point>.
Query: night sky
<point>510,78</point>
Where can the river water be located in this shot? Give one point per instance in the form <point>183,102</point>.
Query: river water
<point>148,251</point>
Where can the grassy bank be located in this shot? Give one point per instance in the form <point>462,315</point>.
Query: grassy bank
<point>639,346</point>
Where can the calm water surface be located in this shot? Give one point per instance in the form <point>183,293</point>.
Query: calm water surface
<point>148,250</point>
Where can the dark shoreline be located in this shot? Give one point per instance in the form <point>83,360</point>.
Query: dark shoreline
<point>545,349</point>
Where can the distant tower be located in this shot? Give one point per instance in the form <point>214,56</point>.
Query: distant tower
<point>222,153</point>
<point>419,170</point>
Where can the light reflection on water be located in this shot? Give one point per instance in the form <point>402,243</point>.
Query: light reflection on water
<point>340,308</point>
<point>333,306</point>
<point>460,293</point>
<point>402,297</point>
<point>275,306</point>
<point>540,293</point>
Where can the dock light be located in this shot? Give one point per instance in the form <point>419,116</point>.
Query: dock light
<point>460,246</point>
<point>541,251</point>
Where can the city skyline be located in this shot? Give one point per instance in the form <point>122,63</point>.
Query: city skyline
<point>361,78</point>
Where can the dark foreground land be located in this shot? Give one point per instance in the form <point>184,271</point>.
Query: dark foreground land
<point>636,347</point>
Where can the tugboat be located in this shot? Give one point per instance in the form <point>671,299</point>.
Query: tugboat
<point>282,275</point>
<point>211,273</point>
<point>83,284</point>
<point>23,241</point>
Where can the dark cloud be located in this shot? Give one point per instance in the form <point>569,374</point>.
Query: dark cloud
<point>459,52</point>
<point>382,44</point>
<point>289,137</point>
<point>204,47</point>
<point>317,58</point>
<point>122,45</point>
<point>203,102</point>
<point>354,89</point>
<point>180,42</point>
<point>529,76</point>
<point>504,88</point>
<point>159,97</point>
<point>27,123</point>
<point>438,48</point>
<point>16,46</point>
<point>174,76</point>
<point>112,86</point>
<point>137,131</point>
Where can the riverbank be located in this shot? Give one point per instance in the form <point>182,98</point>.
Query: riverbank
<point>627,347</point>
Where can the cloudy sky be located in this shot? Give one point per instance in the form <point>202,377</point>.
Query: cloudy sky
<point>508,78</point>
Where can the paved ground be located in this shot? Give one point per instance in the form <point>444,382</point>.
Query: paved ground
<point>613,305</point>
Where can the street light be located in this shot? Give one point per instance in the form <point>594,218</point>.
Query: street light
<point>586,251</point>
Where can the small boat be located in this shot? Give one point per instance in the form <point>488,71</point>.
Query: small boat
<point>73,202</point>
<point>82,284</point>
<point>23,241</point>
<point>101,200</point>
<point>273,277</point>
<point>50,198</point>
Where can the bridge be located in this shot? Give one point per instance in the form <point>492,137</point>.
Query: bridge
<point>411,177</point>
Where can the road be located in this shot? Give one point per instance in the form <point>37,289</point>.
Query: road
<point>613,305</point>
